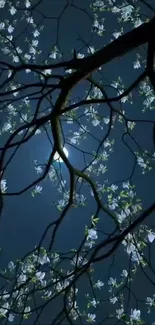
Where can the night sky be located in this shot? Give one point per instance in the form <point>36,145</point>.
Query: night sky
<point>25,218</point>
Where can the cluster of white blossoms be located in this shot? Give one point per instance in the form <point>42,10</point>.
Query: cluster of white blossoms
<point>94,117</point>
<point>132,248</point>
<point>30,274</point>
<point>147,92</point>
<point>120,87</point>
<point>144,161</point>
<point>78,200</point>
<point>125,12</point>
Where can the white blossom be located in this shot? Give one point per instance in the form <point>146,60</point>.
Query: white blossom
<point>99,284</point>
<point>27,309</point>
<point>32,50</point>
<point>91,318</point>
<point>101,169</point>
<point>10,29</point>
<point>135,315</point>
<point>131,125</point>
<point>116,34</point>
<point>107,143</point>
<point>6,127</point>
<point>27,3</point>
<point>4,309</point>
<point>141,162</point>
<point>92,234</point>
<point>130,248</point>
<point>43,259</point>
<point>27,56</point>
<point>53,55</point>
<point>89,244</point>
<point>95,122</point>
<point>35,42</point>
<point>119,313</point>
<point>115,84</point>
<point>136,256</point>
<point>15,58</point>
<point>3,185</point>
<point>40,275</point>
<point>47,71</point>
<point>19,50</point>
<point>99,26</point>
<point>38,131</point>
<point>27,267</point>
<point>137,64</point>
<point>36,33</point>
<point>148,101</point>
<point>150,301</point>
<point>151,236</point>
<point>91,49</point>
<point>2,3</point>
<point>9,75</point>
<point>15,293</point>
<point>11,266</point>
<point>78,260</point>
<point>113,205</point>
<point>104,155</point>
<point>22,278</point>
<point>137,22</point>
<point>126,12</point>
<point>112,282</point>
<point>126,185</point>
<point>24,117</point>
<point>38,189</point>
<point>115,9</point>
<point>94,302</point>
<point>114,187</point>
<point>14,88</point>
<point>121,216</point>
<point>48,294</point>
<point>113,300</point>
<point>38,169</point>
<point>30,20</point>
<point>11,317</point>
<point>6,295</point>
<point>106,120</point>
<point>124,273</point>
<point>12,10</point>
<point>80,56</point>
<point>10,37</point>
<point>2,26</point>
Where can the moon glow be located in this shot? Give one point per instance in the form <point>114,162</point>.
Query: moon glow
<point>57,156</point>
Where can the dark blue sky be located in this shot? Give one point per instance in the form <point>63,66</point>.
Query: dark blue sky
<point>24,219</point>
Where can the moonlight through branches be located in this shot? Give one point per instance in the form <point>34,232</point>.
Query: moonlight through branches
<point>77,80</point>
